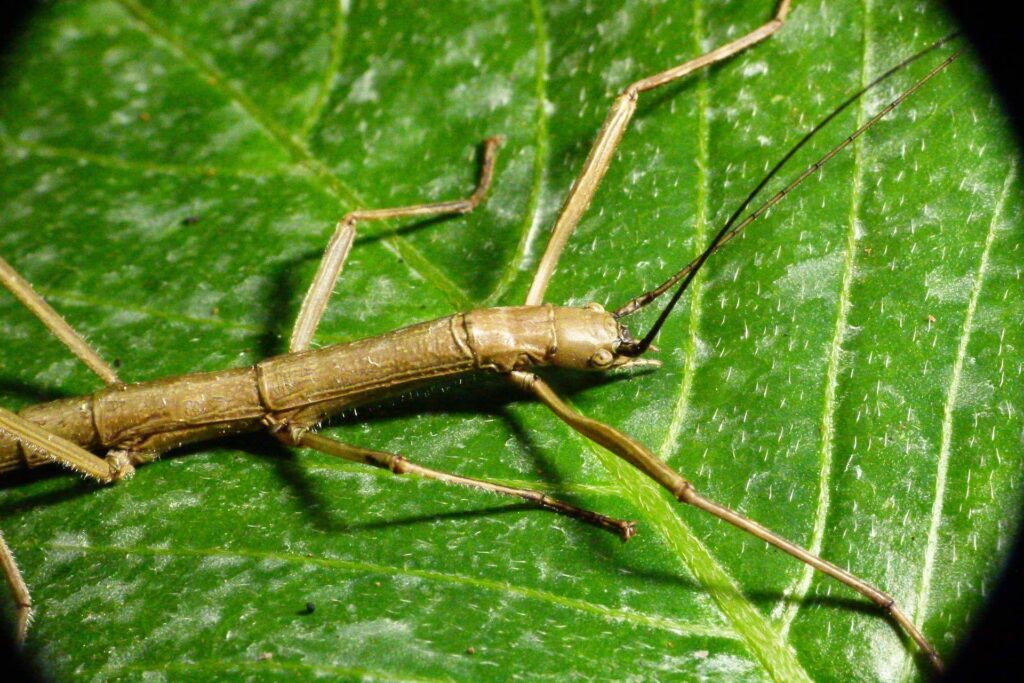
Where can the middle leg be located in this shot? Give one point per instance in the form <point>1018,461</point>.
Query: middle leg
<point>297,436</point>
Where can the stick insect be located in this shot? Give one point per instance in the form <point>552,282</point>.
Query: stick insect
<point>293,430</point>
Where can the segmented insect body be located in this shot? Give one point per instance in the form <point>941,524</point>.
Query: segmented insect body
<point>304,388</point>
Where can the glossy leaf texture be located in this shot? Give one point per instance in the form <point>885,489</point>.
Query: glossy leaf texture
<point>848,373</point>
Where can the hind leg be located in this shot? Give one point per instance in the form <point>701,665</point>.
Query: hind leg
<point>53,447</point>
<point>22,599</point>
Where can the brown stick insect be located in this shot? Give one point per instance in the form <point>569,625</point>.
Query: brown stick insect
<point>290,395</point>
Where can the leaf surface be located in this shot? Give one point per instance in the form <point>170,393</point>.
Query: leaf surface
<point>847,373</point>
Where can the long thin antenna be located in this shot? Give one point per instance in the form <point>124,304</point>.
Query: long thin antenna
<point>728,231</point>
<point>638,302</point>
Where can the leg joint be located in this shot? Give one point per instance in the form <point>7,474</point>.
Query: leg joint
<point>684,492</point>
<point>398,464</point>
<point>523,380</point>
<point>284,430</point>
<point>782,11</point>
<point>121,465</point>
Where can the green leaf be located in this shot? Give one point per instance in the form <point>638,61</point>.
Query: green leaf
<point>848,373</point>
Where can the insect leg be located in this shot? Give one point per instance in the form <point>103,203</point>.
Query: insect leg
<point>296,436</point>
<point>341,242</point>
<point>735,226</point>
<point>24,293</point>
<point>608,138</point>
<point>60,450</point>
<point>22,599</point>
<point>34,437</point>
<point>640,457</point>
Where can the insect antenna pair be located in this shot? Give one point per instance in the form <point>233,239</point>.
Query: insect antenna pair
<point>734,226</point>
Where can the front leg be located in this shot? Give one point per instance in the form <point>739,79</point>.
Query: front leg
<point>33,437</point>
<point>614,127</point>
<point>635,453</point>
<point>315,302</point>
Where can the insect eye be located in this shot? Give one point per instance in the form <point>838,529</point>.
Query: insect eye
<point>602,358</point>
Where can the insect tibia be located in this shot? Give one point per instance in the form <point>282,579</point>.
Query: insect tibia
<point>881,599</point>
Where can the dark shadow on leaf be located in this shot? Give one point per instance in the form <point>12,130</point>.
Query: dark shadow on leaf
<point>660,101</point>
<point>292,277</point>
<point>31,393</point>
<point>861,606</point>
<point>292,474</point>
<point>847,603</point>
<point>471,396</point>
<point>75,487</point>
<point>280,314</point>
<point>377,233</point>
<point>454,515</point>
<point>369,233</point>
<point>318,507</point>
<point>568,384</point>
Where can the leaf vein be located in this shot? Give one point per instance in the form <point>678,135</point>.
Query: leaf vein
<point>945,448</point>
<point>826,450</point>
<point>338,35</point>
<point>107,161</point>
